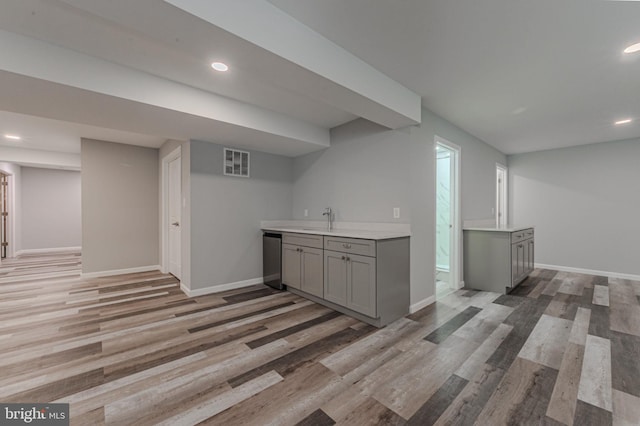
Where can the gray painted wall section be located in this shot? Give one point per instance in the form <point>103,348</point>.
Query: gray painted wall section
<point>120,198</point>
<point>226,241</point>
<point>583,202</point>
<point>51,212</point>
<point>369,170</point>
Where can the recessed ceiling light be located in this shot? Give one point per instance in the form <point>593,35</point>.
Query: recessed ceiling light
<point>219,66</point>
<point>13,137</point>
<point>633,48</point>
<point>625,121</point>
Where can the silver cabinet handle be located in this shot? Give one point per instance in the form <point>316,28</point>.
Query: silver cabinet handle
<point>348,259</point>
<point>175,224</point>
<point>344,258</point>
<point>345,245</point>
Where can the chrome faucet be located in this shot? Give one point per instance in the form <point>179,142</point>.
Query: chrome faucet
<point>329,214</point>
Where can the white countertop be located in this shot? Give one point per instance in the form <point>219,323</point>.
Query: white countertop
<point>371,231</point>
<point>494,228</point>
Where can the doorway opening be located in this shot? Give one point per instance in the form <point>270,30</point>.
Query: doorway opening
<point>4,215</point>
<point>501,195</point>
<point>448,245</point>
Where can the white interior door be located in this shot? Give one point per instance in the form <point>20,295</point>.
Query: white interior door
<point>501,195</point>
<point>175,195</point>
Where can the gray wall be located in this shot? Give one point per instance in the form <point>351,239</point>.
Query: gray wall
<point>584,203</point>
<point>369,170</point>
<point>120,198</point>
<point>51,214</point>
<point>226,241</point>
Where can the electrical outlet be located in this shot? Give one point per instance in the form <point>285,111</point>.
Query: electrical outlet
<point>396,212</point>
<point>306,212</point>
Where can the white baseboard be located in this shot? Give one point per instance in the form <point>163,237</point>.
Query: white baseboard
<point>48,250</point>
<point>219,288</point>
<point>112,272</point>
<point>588,271</point>
<point>422,304</point>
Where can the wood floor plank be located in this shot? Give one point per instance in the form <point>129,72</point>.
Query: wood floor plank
<point>371,412</point>
<point>626,409</point>
<point>522,396</point>
<point>224,401</point>
<point>477,359</point>
<point>317,418</point>
<point>438,403</point>
<point>562,405</point>
<point>580,327</point>
<point>439,335</point>
<point>587,414</point>
<point>547,342</point>
<point>595,378</point>
<point>625,367</point>
<point>467,406</point>
<point>601,295</point>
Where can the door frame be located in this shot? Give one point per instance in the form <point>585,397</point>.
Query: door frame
<point>455,254</point>
<point>164,230</point>
<point>502,204</point>
<point>11,222</point>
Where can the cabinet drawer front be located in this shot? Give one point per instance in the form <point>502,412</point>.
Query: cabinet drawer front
<point>351,245</point>
<point>516,237</point>
<point>307,240</point>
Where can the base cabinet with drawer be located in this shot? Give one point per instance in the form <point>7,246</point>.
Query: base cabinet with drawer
<point>497,260</point>
<point>367,279</point>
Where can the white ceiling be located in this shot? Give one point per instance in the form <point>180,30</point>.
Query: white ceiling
<point>63,136</point>
<point>521,75</point>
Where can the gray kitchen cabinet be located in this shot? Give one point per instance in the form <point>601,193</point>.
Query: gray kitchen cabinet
<point>302,264</point>
<point>291,265</point>
<point>350,280</point>
<point>365,278</point>
<point>497,260</point>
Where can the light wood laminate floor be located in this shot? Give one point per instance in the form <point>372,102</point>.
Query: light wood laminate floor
<point>133,349</point>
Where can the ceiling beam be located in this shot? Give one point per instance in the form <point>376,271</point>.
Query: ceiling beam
<point>312,64</point>
<point>35,59</point>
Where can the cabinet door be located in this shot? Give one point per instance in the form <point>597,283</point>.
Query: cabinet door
<point>531,256</point>
<point>291,265</point>
<point>361,284</point>
<point>517,262</point>
<point>311,276</point>
<point>335,277</point>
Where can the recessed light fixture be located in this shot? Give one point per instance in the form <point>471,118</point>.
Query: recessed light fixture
<point>219,66</point>
<point>633,48</point>
<point>625,121</point>
<point>13,137</point>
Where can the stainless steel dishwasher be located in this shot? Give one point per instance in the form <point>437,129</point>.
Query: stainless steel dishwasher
<point>272,259</point>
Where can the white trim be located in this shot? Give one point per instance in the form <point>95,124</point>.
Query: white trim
<point>220,287</point>
<point>112,272</point>
<point>164,207</point>
<point>422,304</point>
<point>456,261</point>
<point>588,271</point>
<point>48,250</point>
